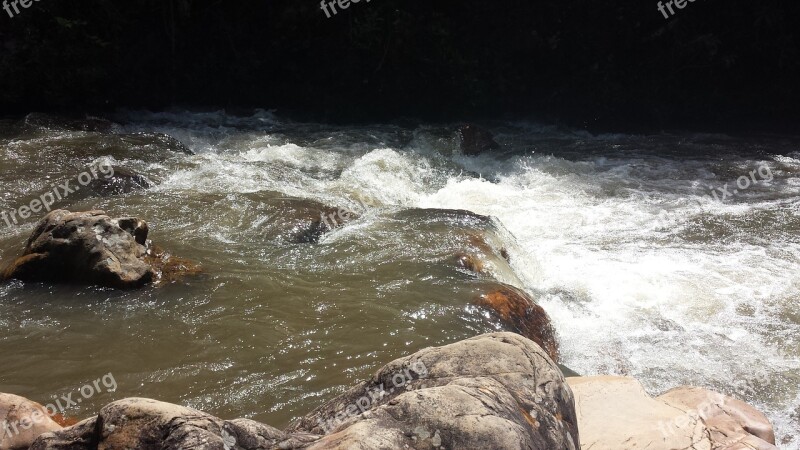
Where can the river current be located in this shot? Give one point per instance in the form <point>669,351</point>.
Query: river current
<point>673,258</point>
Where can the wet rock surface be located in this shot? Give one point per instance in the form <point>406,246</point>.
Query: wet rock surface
<point>93,248</point>
<point>518,311</point>
<point>83,248</point>
<point>159,141</point>
<point>121,181</point>
<point>53,122</point>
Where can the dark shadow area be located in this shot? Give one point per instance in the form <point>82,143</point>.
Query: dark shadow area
<point>713,65</point>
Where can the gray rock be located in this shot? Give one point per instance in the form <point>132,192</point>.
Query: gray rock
<point>252,435</point>
<point>141,424</point>
<point>138,423</point>
<point>81,436</point>
<point>144,423</point>
<point>498,391</point>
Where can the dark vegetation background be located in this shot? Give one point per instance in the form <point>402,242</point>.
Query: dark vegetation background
<point>717,65</point>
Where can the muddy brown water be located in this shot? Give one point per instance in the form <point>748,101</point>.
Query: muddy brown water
<point>643,272</point>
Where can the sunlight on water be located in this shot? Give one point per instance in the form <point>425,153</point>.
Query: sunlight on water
<point>643,271</point>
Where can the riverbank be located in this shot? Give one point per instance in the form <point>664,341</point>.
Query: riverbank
<point>497,391</point>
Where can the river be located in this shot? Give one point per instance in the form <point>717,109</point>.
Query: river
<point>650,259</point>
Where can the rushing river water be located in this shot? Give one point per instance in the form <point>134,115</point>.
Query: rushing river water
<point>647,263</point>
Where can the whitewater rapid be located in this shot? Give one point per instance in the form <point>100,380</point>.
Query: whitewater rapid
<point>641,270</point>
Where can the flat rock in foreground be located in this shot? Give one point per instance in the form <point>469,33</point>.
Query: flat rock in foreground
<point>615,413</point>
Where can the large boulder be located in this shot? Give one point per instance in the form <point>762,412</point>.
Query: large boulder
<point>498,391</point>
<point>93,248</point>
<point>86,248</point>
<point>615,413</point>
<point>22,421</point>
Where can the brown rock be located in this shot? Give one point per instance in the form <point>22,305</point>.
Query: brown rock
<point>169,268</point>
<point>519,311</point>
<point>63,420</point>
<point>92,248</point>
<point>85,247</point>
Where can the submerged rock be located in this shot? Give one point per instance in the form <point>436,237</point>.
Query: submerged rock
<point>169,268</point>
<point>498,391</point>
<point>475,140</point>
<point>310,233</point>
<point>51,122</point>
<point>319,220</point>
<point>615,413</point>
<point>120,181</point>
<point>22,421</point>
<point>517,310</point>
<point>92,248</point>
<point>154,140</point>
<point>481,256</point>
<point>470,262</point>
